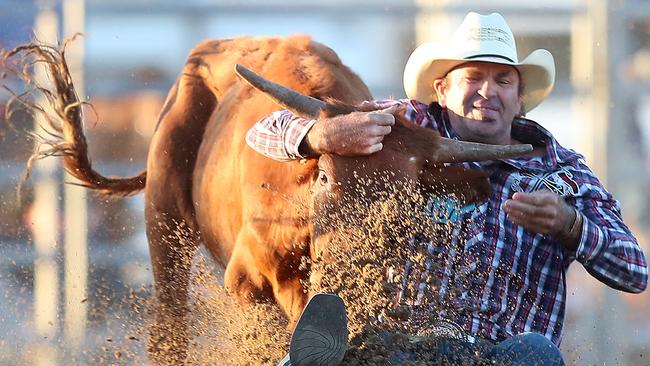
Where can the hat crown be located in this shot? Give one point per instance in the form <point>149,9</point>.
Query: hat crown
<point>483,35</point>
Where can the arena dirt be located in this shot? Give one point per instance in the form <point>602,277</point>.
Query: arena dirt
<point>363,265</point>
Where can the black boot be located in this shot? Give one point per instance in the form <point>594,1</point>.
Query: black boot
<point>321,335</point>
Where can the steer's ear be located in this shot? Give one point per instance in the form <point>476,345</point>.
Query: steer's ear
<point>468,184</point>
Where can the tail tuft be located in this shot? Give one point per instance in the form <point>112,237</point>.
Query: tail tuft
<point>59,112</point>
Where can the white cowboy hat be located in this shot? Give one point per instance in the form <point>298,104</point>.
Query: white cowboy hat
<point>479,38</point>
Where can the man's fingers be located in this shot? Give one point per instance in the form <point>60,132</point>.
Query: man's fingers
<point>539,212</point>
<point>515,206</point>
<point>391,109</point>
<point>373,141</point>
<point>529,198</point>
<point>382,130</point>
<point>518,207</point>
<point>381,118</point>
<point>534,198</point>
<point>374,148</point>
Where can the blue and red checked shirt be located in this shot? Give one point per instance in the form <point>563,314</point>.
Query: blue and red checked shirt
<point>500,279</point>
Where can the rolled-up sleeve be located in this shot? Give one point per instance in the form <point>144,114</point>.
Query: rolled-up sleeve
<point>278,135</point>
<point>607,248</point>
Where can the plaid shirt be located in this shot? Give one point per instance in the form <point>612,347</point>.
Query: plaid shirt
<point>500,279</point>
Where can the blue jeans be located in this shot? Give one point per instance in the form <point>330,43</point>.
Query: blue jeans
<point>526,349</point>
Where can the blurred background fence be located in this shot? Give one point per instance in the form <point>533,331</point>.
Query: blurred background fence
<point>62,292</point>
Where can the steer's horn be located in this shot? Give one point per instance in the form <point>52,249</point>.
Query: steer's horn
<point>449,150</point>
<point>300,104</point>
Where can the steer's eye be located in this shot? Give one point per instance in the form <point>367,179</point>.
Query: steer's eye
<point>322,177</point>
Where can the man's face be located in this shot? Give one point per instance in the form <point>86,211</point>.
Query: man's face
<point>482,99</point>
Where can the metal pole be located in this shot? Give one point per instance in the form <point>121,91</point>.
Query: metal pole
<point>582,309</point>
<point>613,160</point>
<point>46,221</point>
<point>596,134</point>
<point>75,210</point>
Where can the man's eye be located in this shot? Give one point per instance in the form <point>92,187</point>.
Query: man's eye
<point>504,81</point>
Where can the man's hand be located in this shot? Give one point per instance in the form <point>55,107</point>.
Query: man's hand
<point>543,212</point>
<point>354,134</point>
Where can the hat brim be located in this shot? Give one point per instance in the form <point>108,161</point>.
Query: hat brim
<point>424,66</point>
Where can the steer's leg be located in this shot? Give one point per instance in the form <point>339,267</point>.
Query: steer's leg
<point>292,297</point>
<point>171,245</point>
<point>242,277</point>
<point>170,216</point>
<point>258,272</point>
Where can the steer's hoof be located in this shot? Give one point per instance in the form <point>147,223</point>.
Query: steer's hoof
<point>321,335</point>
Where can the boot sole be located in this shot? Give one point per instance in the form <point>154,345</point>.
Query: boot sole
<point>321,336</point>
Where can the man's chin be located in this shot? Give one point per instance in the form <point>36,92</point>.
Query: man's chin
<point>484,135</point>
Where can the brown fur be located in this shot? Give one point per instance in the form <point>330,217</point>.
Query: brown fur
<point>203,183</point>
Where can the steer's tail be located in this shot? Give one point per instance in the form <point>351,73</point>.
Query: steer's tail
<point>61,113</point>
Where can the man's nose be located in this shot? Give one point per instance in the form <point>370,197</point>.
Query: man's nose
<point>487,89</point>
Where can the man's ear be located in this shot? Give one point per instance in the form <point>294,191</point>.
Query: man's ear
<point>521,113</point>
<point>439,88</point>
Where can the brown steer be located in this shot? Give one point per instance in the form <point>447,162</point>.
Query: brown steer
<point>204,184</point>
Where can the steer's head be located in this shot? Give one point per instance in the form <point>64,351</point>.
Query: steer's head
<point>414,160</point>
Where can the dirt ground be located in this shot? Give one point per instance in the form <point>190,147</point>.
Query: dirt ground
<point>364,265</point>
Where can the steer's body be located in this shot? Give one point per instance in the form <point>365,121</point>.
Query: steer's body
<point>255,215</point>
<point>251,212</point>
